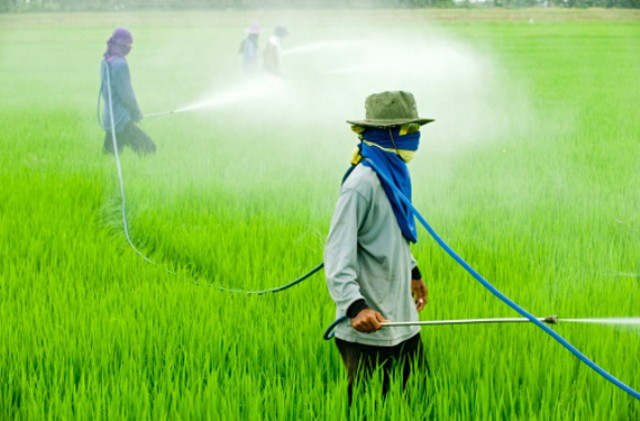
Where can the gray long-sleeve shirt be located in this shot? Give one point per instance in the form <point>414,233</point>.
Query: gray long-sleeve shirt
<point>367,257</point>
<point>124,104</point>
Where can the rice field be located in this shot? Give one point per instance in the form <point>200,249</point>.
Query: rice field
<point>530,173</point>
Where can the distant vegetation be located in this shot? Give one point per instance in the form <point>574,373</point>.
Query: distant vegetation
<point>110,5</point>
<point>530,173</point>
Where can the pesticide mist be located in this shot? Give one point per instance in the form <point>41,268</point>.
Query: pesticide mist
<point>325,82</point>
<point>300,118</point>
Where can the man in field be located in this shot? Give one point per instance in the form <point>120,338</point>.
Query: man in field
<point>121,111</point>
<point>273,51</point>
<point>249,49</point>
<point>371,273</point>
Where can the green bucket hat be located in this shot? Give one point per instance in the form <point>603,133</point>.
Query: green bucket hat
<point>389,109</point>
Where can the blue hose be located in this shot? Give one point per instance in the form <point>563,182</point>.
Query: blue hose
<point>105,74</point>
<point>330,332</point>
<point>276,289</point>
<point>495,292</point>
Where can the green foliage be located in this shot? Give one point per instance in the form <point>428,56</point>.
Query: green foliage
<point>241,196</point>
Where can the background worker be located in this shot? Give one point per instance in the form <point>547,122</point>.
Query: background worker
<point>249,49</point>
<point>119,98</point>
<point>370,271</point>
<point>273,51</point>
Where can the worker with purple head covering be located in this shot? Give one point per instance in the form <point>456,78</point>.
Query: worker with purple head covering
<point>121,111</point>
<point>249,48</point>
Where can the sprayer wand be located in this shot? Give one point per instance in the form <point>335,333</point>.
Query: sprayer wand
<point>329,333</point>
<point>549,319</point>
<point>159,114</point>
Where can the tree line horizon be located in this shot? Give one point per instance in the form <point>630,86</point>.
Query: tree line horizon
<point>121,5</point>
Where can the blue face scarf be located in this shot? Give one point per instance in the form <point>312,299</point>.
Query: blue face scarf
<point>394,169</point>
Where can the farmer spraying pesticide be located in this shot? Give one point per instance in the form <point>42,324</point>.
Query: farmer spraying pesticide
<point>249,49</point>
<point>273,52</point>
<point>371,273</point>
<point>121,111</point>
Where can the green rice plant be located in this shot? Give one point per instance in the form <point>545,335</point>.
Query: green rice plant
<point>529,173</point>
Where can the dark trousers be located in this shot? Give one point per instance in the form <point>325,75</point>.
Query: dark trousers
<point>131,136</point>
<point>361,361</point>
